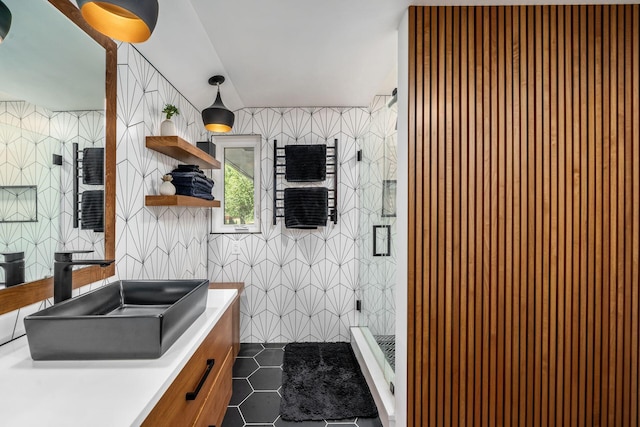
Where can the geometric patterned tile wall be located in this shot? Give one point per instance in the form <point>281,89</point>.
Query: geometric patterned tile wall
<point>29,136</point>
<point>153,242</point>
<point>26,148</point>
<point>301,285</point>
<point>377,273</point>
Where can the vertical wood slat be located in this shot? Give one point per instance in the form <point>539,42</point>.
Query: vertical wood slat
<point>635,261</point>
<point>523,285</point>
<point>635,234</point>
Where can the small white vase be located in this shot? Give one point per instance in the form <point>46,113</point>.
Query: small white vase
<point>167,128</point>
<point>167,188</point>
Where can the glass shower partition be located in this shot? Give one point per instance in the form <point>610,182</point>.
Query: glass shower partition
<point>377,243</point>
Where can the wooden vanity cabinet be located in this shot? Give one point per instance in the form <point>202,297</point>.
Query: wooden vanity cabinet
<point>209,383</point>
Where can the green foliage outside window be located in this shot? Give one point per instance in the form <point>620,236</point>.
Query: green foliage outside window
<point>238,197</point>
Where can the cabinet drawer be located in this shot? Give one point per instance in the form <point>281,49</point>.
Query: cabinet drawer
<point>197,375</point>
<point>219,396</point>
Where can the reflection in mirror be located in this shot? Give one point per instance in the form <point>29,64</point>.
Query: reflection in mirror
<point>52,94</point>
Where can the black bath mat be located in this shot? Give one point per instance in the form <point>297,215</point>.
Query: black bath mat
<point>322,381</point>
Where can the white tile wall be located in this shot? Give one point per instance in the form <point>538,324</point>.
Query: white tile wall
<point>301,285</point>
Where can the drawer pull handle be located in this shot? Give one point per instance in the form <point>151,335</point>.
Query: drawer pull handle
<point>193,394</point>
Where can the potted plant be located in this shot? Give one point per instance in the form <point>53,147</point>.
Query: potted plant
<point>167,127</point>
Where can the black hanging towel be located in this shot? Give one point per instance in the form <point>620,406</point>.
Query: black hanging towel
<point>93,166</point>
<point>305,207</point>
<point>305,163</point>
<point>92,210</point>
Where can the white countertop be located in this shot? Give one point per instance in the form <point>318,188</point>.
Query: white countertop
<point>110,393</point>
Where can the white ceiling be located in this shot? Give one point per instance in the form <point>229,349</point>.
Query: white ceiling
<point>278,53</point>
<point>284,53</point>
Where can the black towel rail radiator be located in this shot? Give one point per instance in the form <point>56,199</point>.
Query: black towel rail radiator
<point>279,167</point>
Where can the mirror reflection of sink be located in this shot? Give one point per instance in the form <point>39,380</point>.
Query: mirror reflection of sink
<point>127,319</point>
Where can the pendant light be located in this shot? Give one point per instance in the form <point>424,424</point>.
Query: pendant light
<point>5,21</point>
<point>130,21</point>
<point>217,117</point>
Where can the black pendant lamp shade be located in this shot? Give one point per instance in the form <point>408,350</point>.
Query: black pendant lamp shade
<point>217,117</point>
<point>5,21</point>
<point>130,21</point>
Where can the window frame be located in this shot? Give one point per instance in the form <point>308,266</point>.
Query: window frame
<point>217,217</point>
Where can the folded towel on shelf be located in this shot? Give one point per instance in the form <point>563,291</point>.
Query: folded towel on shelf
<point>193,192</point>
<point>196,184</point>
<point>189,180</point>
<point>93,166</point>
<point>92,210</point>
<point>187,168</point>
<point>305,207</point>
<point>305,163</point>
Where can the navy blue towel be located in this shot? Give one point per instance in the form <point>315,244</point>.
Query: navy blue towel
<point>305,207</point>
<point>305,163</point>
<point>93,166</point>
<point>92,210</point>
<point>193,192</point>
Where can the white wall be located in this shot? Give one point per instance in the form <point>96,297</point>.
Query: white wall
<point>300,284</point>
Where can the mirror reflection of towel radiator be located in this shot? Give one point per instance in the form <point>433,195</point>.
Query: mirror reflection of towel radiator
<point>77,201</point>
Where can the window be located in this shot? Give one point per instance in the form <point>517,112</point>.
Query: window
<point>237,184</point>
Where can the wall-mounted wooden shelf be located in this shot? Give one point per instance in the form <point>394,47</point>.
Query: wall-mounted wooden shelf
<point>181,150</point>
<point>178,200</point>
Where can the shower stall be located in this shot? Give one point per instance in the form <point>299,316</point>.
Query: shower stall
<point>377,243</point>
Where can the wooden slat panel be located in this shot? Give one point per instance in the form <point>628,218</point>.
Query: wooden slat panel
<point>454,276</point>
<point>472,295</point>
<point>628,214</point>
<point>463,220</point>
<point>531,207</point>
<point>609,415</point>
<point>597,105</point>
<point>524,167</point>
<point>569,231</point>
<point>635,275</point>
<point>523,268</point>
<point>606,137</point>
<point>558,389</point>
<point>422,294</point>
<point>448,208</point>
<point>516,352</point>
<point>433,272</point>
<point>620,276</point>
<point>479,277</point>
<point>508,206</point>
<point>635,234</point>
<point>591,250</point>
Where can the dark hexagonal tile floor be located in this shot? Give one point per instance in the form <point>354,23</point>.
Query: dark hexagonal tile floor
<point>257,377</point>
<point>241,390</point>
<point>244,367</point>
<point>270,357</point>
<point>266,379</point>
<point>261,407</point>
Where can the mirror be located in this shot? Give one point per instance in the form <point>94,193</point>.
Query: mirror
<point>57,86</point>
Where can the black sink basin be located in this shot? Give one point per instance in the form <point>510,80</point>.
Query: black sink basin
<point>128,319</point>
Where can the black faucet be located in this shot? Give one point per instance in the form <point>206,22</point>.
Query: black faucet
<point>63,272</point>
<point>13,265</point>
